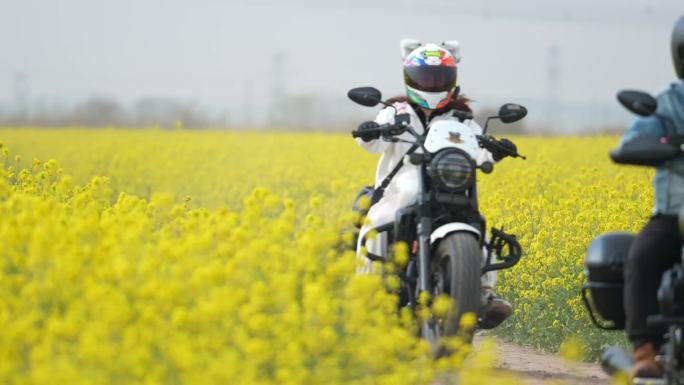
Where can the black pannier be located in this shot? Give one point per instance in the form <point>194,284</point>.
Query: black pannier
<point>605,258</point>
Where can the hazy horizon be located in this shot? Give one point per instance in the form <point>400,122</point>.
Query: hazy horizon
<point>223,55</point>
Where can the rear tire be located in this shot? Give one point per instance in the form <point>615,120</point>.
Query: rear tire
<point>455,270</point>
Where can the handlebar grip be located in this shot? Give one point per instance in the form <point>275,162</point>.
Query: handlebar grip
<point>492,145</point>
<point>385,128</point>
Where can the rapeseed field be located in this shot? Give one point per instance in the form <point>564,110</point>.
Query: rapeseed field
<point>176,257</point>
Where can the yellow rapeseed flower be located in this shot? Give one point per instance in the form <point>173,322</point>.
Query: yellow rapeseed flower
<point>252,279</point>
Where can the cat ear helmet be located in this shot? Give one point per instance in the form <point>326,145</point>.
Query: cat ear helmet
<point>430,75</point>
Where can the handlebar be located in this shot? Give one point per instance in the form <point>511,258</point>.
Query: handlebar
<point>650,151</point>
<point>401,126</point>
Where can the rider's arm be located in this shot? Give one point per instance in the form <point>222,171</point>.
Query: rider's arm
<point>650,126</point>
<point>670,102</point>
<point>385,116</point>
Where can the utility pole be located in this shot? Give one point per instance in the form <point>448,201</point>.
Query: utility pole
<point>21,96</point>
<point>552,85</point>
<point>249,103</point>
<point>278,89</point>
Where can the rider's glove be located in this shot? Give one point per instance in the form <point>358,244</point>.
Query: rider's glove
<point>509,148</point>
<point>368,136</point>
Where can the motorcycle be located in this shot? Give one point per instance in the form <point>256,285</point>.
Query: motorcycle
<point>602,295</point>
<point>443,228</point>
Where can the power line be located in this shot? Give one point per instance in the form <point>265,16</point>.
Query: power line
<point>637,14</point>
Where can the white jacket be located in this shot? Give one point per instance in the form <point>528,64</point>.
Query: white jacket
<point>393,153</point>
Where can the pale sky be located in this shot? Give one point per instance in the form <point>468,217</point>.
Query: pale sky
<point>221,52</point>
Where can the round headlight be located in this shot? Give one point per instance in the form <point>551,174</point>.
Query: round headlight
<point>451,170</point>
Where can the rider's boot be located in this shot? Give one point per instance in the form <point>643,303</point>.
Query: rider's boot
<point>645,364</point>
<point>494,310</point>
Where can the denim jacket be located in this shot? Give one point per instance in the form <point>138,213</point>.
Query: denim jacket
<point>669,179</point>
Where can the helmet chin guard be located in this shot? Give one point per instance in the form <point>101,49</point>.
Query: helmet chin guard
<point>429,100</point>
<point>678,47</point>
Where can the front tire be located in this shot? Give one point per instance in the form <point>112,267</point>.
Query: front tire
<point>455,271</point>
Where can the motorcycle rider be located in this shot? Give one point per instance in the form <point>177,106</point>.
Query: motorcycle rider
<point>432,94</point>
<point>659,244</point>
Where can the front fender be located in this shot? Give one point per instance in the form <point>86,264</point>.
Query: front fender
<point>444,230</point>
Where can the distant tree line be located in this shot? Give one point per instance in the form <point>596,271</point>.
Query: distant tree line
<point>301,112</point>
<point>104,111</point>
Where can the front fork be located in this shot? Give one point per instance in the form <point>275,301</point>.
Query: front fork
<point>424,230</point>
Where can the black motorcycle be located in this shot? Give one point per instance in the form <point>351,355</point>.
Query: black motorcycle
<point>606,254</point>
<point>443,228</point>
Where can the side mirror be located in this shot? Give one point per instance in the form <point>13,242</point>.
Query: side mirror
<point>638,102</point>
<point>511,112</point>
<point>645,151</point>
<point>365,96</point>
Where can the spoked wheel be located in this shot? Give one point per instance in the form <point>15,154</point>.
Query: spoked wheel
<point>454,271</point>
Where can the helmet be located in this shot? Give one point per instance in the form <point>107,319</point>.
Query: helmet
<point>678,47</point>
<point>430,76</point>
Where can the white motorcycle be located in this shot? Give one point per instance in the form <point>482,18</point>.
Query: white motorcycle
<point>444,227</point>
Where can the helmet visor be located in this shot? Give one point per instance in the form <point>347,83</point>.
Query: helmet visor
<point>430,78</point>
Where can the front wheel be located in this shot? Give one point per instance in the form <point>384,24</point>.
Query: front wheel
<point>455,271</point>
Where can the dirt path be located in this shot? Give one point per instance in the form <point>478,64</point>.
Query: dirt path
<point>540,368</point>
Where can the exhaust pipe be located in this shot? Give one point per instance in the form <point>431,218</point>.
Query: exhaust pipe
<point>615,360</point>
